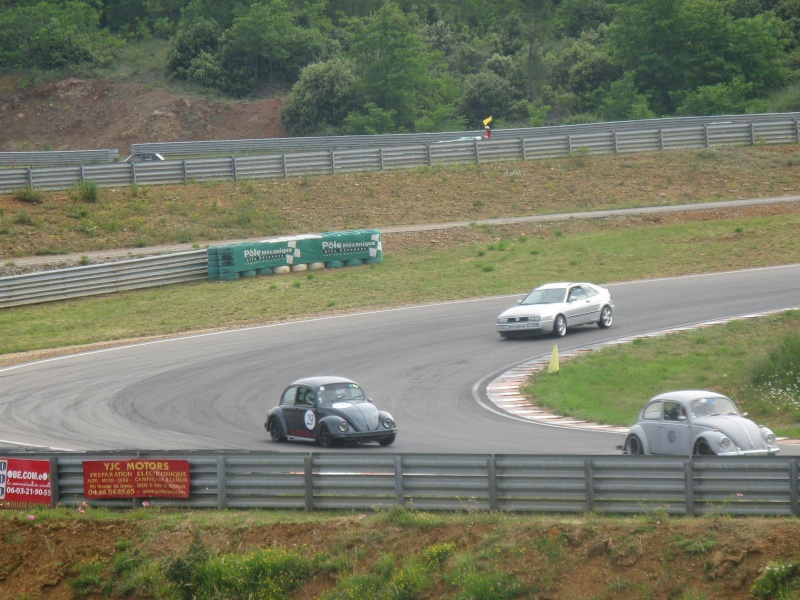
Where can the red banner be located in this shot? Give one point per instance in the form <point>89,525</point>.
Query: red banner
<point>25,481</point>
<point>136,478</point>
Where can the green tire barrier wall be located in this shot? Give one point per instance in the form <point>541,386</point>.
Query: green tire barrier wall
<point>331,250</point>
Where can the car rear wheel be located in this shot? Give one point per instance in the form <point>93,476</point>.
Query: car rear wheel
<point>606,318</point>
<point>387,441</point>
<point>324,437</point>
<point>701,448</point>
<point>276,431</point>
<point>633,445</point>
<point>560,326</point>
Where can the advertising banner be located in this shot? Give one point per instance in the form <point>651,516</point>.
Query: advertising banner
<point>25,482</point>
<point>277,253</point>
<point>136,478</point>
<point>364,244</point>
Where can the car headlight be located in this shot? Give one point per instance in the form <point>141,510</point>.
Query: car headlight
<point>724,442</point>
<point>387,423</point>
<point>502,319</point>
<point>343,426</point>
<point>769,437</point>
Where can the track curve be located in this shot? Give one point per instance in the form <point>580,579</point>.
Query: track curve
<point>424,364</point>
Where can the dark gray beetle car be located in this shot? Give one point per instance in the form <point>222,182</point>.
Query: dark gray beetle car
<point>328,410</point>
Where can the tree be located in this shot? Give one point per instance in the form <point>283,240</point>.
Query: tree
<point>486,94</point>
<point>676,46</point>
<point>193,39</point>
<point>54,36</point>
<point>397,71</point>
<point>321,99</point>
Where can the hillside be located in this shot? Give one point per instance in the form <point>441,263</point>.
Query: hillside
<point>86,114</point>
<point>576,557</point>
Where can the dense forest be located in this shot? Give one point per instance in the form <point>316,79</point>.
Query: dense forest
<point>378,66</point>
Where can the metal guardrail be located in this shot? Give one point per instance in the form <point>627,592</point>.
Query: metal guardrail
<point>57,157</point>
<point>541,143</point>
<point>351,142</point>
<point>513,483</point>
<point>75,282</point>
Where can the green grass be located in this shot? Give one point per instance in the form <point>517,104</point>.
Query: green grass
<point>410,277</point>
<point>610,386</point>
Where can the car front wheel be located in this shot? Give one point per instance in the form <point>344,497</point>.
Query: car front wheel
<point>560,326</point>
<point>324,437</point>
<point>606,318</point>
<point>701,448</point>
<point>276,432</point>
<point>633,445</point>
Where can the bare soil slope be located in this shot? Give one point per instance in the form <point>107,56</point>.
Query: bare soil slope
<point>84,114</point>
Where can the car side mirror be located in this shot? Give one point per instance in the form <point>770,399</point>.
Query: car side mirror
<point>369,400</point>
<point>681,417</point>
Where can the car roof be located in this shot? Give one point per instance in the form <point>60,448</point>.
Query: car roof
<point>560,284</point>
<point>319,380</point>
<point>687,395</point>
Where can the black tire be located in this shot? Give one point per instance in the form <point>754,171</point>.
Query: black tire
<point>633,445</point>
<point>324,437</point>
<point>387,441</point>
<point>503,335</point>
<point>701,448</point>
<point>276,431</point>
<point>606,318</point>
<point>560,326</point>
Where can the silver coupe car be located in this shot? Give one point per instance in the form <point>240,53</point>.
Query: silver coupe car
<point>554,307</point>
<point>698,423</point>
<point>329,410</point>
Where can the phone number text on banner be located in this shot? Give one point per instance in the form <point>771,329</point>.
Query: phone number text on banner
<point>136,478</point>
<point>25,481</point>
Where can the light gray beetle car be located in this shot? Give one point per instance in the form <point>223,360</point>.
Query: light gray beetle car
<point>699,423</point>
<point>329,410</point>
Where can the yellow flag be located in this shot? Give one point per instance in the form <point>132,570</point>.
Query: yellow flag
<point>487,121</point>
<point>554,360</point>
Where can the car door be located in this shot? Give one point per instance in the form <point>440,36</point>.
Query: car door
<point>300,412</point>
<point>651,424</point>
<point>578,308</point>
<point>674,430</point>
<point>594,303</point>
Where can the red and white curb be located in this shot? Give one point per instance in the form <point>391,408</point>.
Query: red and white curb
<point>505,390</point>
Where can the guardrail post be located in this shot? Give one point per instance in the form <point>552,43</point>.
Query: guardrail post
<point>333,162</point>
<point>185,178</point>
<point>616,148</point>
<point>430,158</point>
<point>399,493</point>
<point>285,173</point>
<point>688,478</point>
<point>491,467</point>
<point>222,500</point>
<point>477,152</point>
<point>55,497</point>
<point>797,130</point>
<point>794,484</point>
<point>235,173</point>
<point>569,144</point>
<point>524,155</point>
<point>661,138</point>
<point>81,173</point>
<point>380,154</point>
<point>752,135</point>
<point>133,173</point>
<point>30,178</point>
<point>308,478</point>
<point>588,470</point>
<point>705,133</point>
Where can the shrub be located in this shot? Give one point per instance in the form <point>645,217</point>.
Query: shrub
<point>27,194</point>
<point>87,191</point>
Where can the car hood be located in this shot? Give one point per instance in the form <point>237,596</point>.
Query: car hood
<point>362,416</point>
<point>742,432</point>
<point>526,310</point>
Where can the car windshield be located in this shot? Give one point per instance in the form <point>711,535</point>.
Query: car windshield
<point>707,407</point>
<point>341,392</point>
<point>547,296</point>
